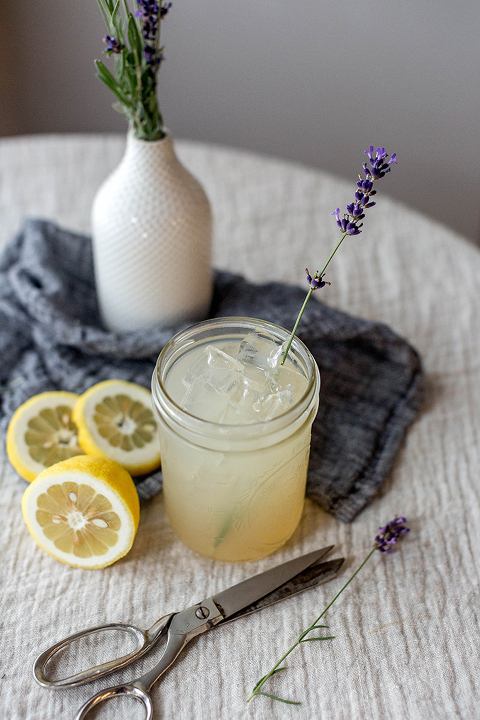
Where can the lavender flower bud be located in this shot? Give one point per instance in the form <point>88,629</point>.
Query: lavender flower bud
<point>319,283</point>
<point>379,164</point>
<point>153,56</point>
<point>390,534</point>
<point>353,229</point>
<point>164,9</point>
<point>316,282</point>
<point>113,45</point>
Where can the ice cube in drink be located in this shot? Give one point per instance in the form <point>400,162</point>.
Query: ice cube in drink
<point>253,387</point>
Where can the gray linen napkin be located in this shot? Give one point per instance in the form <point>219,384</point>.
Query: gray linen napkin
<point>51,338</point>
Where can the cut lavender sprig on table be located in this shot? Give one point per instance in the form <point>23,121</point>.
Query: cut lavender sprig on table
<point>389,536</point>
<point>133,41</point>
<point>350,223</point>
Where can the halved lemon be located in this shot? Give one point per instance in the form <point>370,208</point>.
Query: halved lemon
<point>42,433</point>
<point>115,419</point>
<point>84,511</point>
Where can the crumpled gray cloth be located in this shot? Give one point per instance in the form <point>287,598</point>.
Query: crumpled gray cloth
<point>51,338</point>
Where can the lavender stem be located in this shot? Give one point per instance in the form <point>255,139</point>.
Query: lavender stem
<point>311,289</point>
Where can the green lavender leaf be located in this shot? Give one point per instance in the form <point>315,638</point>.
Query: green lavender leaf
<point>117,30</point>
<point>331,637</point>
<point>106,77</point>
<point>135,40</point>
<point>130,62</point>
<point>275,697</point>
<point>119,65</point>
<point>101,5</point>
<point>274,672</point>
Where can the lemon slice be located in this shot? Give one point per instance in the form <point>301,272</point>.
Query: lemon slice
<point>83,511</point>
<point>115,419</point>
<point>42,433</point>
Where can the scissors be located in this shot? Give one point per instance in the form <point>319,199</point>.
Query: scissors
<point>246,597</point>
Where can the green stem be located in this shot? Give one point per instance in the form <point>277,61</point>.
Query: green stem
<point>297,643</point>
<point>333,253</point>
<point>343,588</point>
<point>292,335</point>
<point>317,275</point>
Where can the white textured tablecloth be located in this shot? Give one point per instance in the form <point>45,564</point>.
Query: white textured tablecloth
<point>407,636</point>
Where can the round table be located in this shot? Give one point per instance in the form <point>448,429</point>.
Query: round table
<point>407,638</point>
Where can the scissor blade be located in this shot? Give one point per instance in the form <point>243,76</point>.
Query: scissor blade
<point>311,577</point>
<point>247,592</point>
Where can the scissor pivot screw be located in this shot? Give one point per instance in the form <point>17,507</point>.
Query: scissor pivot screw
<point>202,612</point>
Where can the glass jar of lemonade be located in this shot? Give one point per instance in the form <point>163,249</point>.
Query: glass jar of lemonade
<point>235,429</point>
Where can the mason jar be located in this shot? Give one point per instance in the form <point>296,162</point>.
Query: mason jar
<point>233,492</point>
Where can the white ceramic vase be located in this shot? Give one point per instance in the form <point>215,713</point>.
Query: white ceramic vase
<point>152,232</point>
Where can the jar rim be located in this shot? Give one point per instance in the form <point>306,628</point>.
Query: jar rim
<point>198,426</point>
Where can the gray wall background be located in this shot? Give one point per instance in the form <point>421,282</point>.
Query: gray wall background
<point>307,80</point>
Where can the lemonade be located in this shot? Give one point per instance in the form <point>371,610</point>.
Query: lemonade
<point>235,431</point>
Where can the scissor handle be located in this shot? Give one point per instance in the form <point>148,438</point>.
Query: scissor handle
<point>135,690</point>
<point>184,627</point>
<point>140,689</point>
<point>144,639</point>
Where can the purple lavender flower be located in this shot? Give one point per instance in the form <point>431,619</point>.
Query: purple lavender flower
<point>147,9</point>
<point>113,45</point>
<point>347,224</point>
<point>390,534</point>
<point>152,10</point>
<point>317,281</point>
<point>150,13</point>
<point>378,162</point>
<point>164,9</point>
<point>153,56</point>
<point>379,166</point>
<point>149,29</point>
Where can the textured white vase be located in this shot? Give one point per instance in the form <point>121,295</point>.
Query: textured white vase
<point>152,232</point>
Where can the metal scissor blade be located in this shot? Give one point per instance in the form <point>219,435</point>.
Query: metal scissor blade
<point>314,575</point>
<point>247,592</point>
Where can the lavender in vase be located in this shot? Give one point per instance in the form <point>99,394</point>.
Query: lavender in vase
<point>133,40</point>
